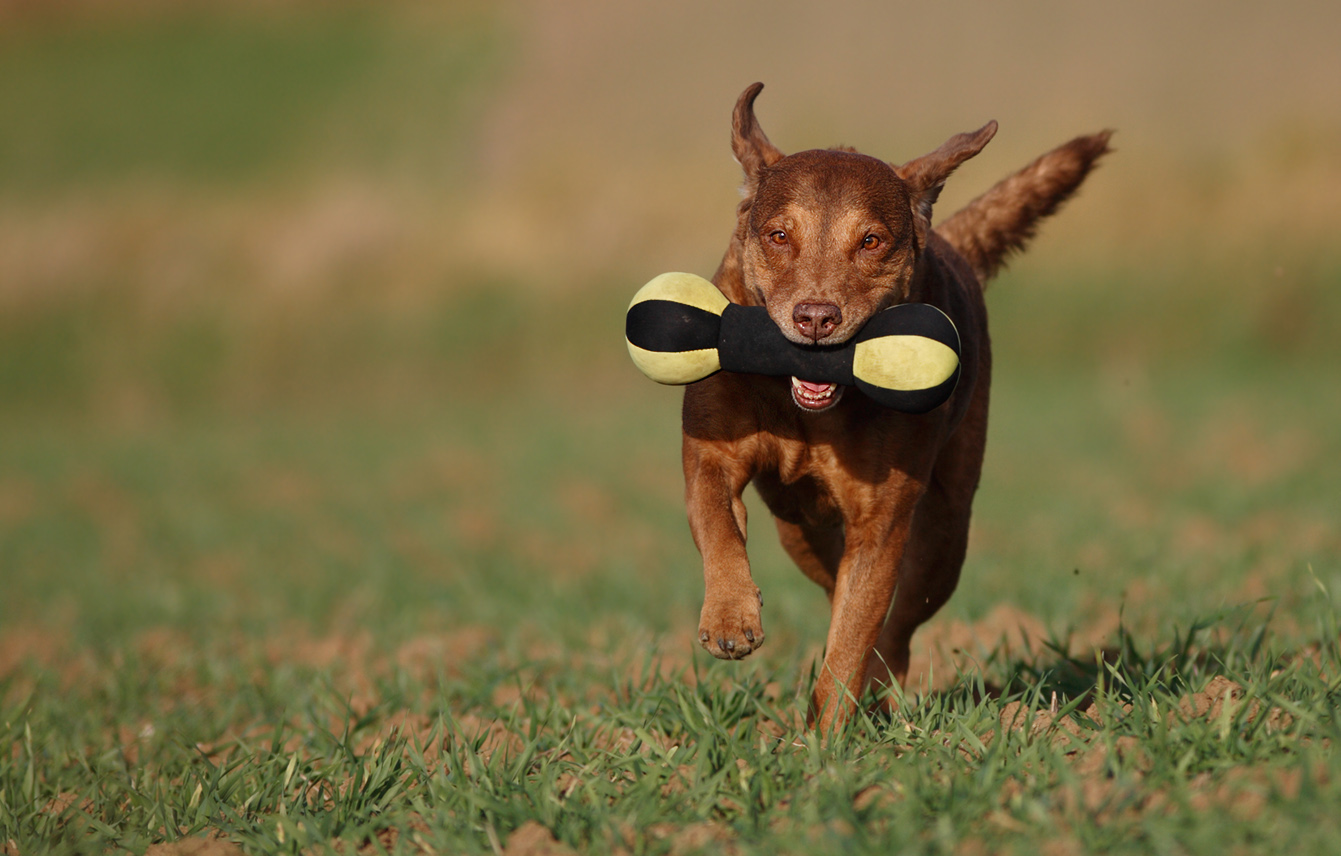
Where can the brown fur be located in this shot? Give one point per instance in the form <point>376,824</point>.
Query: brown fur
<point>873,505</point>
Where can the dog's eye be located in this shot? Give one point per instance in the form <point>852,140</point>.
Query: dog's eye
<point>870,242</point>
<point>777,236</point>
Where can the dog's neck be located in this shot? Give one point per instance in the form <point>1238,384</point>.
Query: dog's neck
<point>926,275</point>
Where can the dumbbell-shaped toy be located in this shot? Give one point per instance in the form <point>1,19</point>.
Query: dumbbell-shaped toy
<point>680,328</point>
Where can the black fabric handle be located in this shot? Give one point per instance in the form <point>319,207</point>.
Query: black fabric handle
<point>751,343</point>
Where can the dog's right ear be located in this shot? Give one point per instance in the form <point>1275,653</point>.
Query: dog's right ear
<point>752,149</point>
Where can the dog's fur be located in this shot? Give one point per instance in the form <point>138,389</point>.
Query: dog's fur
<point>873,505</point>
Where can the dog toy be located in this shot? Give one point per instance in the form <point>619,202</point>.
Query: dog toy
<point>680,328</point>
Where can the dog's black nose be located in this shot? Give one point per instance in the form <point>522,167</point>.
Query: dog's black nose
<point>816,320</point>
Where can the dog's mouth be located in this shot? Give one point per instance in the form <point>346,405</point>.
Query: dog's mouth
<point>815,397</point>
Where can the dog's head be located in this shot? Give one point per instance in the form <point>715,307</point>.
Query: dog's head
<point>830,237</point>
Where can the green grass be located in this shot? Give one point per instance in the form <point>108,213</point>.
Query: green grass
<point>610,755</point>
<point>221,610</point>
<point>205,97</point>
<point>373,568</point>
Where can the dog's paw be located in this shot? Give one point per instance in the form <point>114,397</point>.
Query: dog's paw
<point>730,628</point>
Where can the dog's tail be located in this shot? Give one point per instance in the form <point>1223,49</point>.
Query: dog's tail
<point>1002,220</point>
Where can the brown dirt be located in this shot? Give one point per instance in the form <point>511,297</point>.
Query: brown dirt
<point>944,649</point>
<point>33,645</point>
<point>534,839</point>
<point>707,836</point>
<point>207,846</point>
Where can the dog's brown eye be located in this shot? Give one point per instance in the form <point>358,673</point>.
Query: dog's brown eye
<point>870,242</point>
<point>778,236</point>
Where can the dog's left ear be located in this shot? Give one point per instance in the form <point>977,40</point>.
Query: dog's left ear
<point>925,176</point>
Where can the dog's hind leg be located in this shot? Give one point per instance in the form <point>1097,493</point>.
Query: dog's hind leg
<point>816,550</point>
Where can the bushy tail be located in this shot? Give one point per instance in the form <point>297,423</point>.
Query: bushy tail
<point>1002,220</point>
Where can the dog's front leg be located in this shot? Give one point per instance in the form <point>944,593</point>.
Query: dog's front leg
<point>867,578</point>
<point>730,626</point>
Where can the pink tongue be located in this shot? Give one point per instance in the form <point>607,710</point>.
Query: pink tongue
<point>813,387</point>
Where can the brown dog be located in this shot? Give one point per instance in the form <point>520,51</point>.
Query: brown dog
<point>872,504</point>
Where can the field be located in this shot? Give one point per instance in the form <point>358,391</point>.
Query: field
<point>333,517</point>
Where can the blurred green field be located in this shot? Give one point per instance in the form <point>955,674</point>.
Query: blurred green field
<point>320,455</point>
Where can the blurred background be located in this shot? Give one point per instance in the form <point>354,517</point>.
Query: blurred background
<point>310,312</point>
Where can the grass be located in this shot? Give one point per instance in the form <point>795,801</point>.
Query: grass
<point>612,754</point>
<point>203,97</point>
<point>316,536</point>
<point>378,619</point>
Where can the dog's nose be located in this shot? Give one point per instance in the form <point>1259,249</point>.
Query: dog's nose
<point>816,320</point>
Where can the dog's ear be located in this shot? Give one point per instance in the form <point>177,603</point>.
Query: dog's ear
<point>925,176</point>
<point>752,149</point>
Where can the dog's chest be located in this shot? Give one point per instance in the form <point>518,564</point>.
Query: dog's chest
<point>803,483</point>
<point>806,500</point>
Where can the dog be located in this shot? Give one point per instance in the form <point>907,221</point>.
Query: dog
<point>871,504</point>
